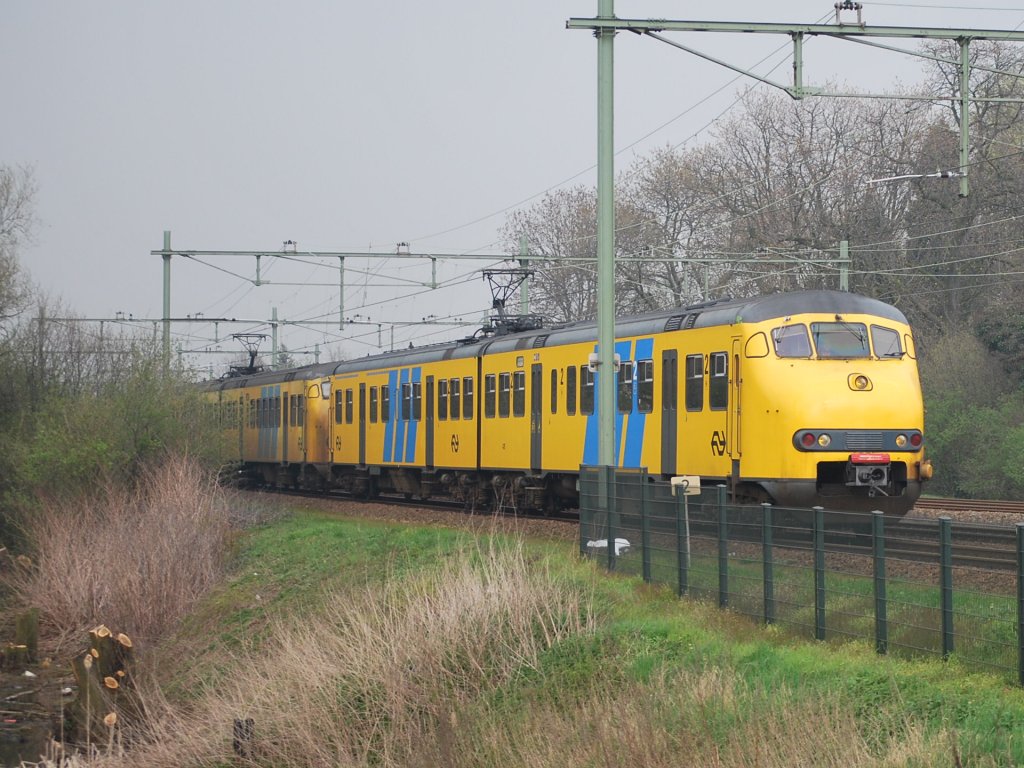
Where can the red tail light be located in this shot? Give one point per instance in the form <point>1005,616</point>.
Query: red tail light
<point>807,439</point>
<point>915,439</point>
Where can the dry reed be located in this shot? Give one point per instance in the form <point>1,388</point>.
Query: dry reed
<point>132,559</point>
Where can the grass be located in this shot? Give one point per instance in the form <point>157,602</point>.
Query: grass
<point>355,643</point>
<point>984,622</point>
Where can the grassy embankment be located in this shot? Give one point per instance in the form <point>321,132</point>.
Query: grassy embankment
<point>350,642</point>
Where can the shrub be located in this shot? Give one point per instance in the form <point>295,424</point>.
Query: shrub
<point>132,558</point>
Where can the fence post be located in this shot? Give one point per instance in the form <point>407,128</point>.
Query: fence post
<point>1020,603</point>
<point>819,573</point>
<point>610,496</point>
<point>881,604</point>
<point>769,562</point>
<point>723,551</point>
<point>645,527</point>
<point>586,515</point>
<point>946,582</point>
<point>683,541</point>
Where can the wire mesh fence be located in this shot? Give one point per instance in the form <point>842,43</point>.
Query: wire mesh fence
<point>912,586</point>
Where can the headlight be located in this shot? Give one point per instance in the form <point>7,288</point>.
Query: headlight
<point>824,440</point>
<point>901,441</point>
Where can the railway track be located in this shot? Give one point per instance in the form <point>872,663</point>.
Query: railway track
<point>989,545</point>
<point>996,506</point>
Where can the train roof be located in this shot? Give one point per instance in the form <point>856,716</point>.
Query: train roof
<point>708,314</point>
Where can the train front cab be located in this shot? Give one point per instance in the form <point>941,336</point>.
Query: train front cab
<point>831,412</point>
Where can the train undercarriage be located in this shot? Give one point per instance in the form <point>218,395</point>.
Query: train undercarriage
<point>552,493</point>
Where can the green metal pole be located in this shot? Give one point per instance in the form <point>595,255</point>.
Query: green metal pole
<point>1020,603</point>
<point>341,294</point>
<point>723,550</point>
<point>273,338</point>
<point>605,237</point>
<point>946,582</point>
<point>965,106</point>
<point>645,527</point>
<point>881,604</point>
<point>167,300</point>
<point>769,561</point>
<point>524,290</point>
<point>844,265</point>
<point>610,480</point>
<point>819,573</point>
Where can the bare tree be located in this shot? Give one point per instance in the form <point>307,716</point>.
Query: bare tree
<point>17,221</point>
<point>561,226</point>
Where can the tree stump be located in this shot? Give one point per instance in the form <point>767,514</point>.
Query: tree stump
<point>26,632</point>
<point>105,697</point>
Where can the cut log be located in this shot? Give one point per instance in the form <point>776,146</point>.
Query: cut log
<point>105,697</point>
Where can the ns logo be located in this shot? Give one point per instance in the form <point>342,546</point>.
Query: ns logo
<point>718,443</point>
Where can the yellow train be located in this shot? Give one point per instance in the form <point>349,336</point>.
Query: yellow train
<point>800,399</point>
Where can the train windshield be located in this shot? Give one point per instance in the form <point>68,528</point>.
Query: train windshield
<point>886,342</point>
<point>791,341</point>
<point>842,340</point>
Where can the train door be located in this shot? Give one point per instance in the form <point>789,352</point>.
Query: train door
<point>429,436</point>
<point>734,421</point>
<point>361,416</point>
<point>536,414</point>
<point>284,426</point>
<point>240,425</point>
<point>320,401</point>
<point>669,410</point>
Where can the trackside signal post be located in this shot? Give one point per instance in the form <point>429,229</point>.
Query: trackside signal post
<point>605,26</point>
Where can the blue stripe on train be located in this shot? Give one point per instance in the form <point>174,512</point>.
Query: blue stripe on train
<point>389,427</point>
<point>410,438</point>
<point>637,421</point>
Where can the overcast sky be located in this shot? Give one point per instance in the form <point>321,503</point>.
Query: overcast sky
<point>352,127</point>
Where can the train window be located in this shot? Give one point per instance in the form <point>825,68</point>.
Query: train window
<point>289,407</point>
<point>695,382</point>
<point>406,401</point>
<point>373,405</point>
<point>417,400</point>
<point>442,399</point>
<point>840,340</point>
<point>718,387</point>
<point>504,393</point>
<point>519,393</point>
<point>385,403</point>
<point>252,414</point>
<point>453,389</point>
<point>625,387</point>
<point>325,390</point>
<point>756,346</point>
<point>791,341</point>
<point>300,410</point>
<point>586,390</point>
<point>467,398</point>
<point>338,406</point>
<point>348,405</point>
<point>490,395</point>
<point>570,390</point>
<point>554,390</point>
<point>886,342</point>
<point>645,386</point>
